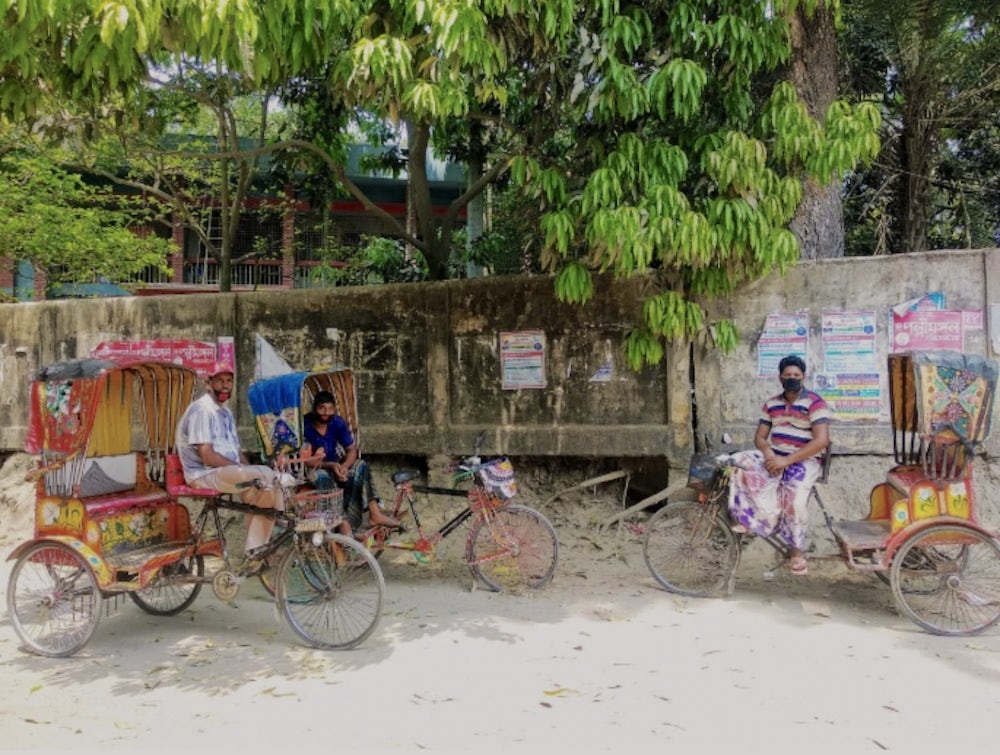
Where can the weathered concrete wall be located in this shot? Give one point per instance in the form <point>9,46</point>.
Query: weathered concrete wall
<point>729,387</point>
<point>427,364</point>
<point>427,359</point>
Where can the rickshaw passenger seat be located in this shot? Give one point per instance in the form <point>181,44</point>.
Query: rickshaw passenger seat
<point>105,504</point>
<point>176,484</point>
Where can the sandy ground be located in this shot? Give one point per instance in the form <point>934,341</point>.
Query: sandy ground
<point>602,659</point>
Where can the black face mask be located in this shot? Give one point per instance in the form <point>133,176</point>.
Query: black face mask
<point>792,385</point>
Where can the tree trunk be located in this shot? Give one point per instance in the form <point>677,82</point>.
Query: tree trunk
<point>916,147</point>
<point>819,221</point>
<point>436,245</point>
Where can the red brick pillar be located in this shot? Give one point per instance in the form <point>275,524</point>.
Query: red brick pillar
<point>41,283</point>
<point>7,274</point>
<point>177,257</point>
<point>288,240</point>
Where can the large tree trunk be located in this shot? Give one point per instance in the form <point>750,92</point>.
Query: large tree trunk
<point>819,221</point>
<point>916,145</point>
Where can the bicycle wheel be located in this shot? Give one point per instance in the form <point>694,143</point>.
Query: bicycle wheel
<point>331,595</point>
<point>514,546</point>
<point>53,600</point>
<point>689,549</point>
<point>947,580</point>
<point>172,590</point>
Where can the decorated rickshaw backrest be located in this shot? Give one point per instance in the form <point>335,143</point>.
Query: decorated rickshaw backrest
<point>954,394</point>
<point>280,403</point>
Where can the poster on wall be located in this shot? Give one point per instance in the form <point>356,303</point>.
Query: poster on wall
<point>198,355</point>
<point>522,359</point>
<point>851,396</point>
<point>848,379</point>
<point>783,334</point>
<point>924,324</point>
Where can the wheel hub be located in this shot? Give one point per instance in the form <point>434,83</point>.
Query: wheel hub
<point>226,586</point>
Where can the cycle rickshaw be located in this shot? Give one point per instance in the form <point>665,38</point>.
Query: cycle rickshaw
<point>508,546</point>
<point>112,519</point>
<point>921,536</point>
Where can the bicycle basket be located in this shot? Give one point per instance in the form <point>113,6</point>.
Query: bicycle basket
<point>701,470</point>
<point>498,478</point>
<point>319,510</point>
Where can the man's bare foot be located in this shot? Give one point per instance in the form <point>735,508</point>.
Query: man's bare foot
<point>382,520</point>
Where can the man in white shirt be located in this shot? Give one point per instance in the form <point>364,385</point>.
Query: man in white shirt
<point>209,449</point>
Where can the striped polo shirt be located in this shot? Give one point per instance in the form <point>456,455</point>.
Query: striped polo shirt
<point>791,424</point>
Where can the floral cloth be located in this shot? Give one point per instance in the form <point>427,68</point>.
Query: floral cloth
<point>768,505</point>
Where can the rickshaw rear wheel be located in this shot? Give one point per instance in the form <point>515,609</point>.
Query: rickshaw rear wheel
<point>171,592</point>
<point>689,549</point>
<point>512,547</point>
<point>331,594</point>
<point>947,580</point>
<point>53,600</point>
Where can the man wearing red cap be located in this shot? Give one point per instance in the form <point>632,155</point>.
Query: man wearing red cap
<point>209,449</point>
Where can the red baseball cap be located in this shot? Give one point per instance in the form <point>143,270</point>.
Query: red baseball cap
<point>220,368</point>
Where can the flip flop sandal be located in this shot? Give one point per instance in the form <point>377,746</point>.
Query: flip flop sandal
<point>799,566</point>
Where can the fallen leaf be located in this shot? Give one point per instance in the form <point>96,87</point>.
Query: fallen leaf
<point>35,689</point>
<point>560,692</point>
<point>273,692</point>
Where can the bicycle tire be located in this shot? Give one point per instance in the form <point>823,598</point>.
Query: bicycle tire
<point>510,547</point>
<point>165,596</point>
<point>53,600</point>
<point>689,549</point>
<point>956,589</point>
<point>331,595</point>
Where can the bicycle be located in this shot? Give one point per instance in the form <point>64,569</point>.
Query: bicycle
<point>508,545</point>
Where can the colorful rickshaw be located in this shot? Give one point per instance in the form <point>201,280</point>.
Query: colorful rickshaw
<point>922,534</point>
<point>111,518</point>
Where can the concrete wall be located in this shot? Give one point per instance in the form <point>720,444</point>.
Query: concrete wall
<point>425,358</point>
<point>428,368</point>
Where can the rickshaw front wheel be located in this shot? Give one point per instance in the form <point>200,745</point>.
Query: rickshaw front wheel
<point>689,549</point>
<point>331,595</point>
<point>946,578</point>
<point>173,589</point>
<point>53,600</point>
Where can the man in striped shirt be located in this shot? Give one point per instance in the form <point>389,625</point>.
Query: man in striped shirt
<point>771,487</point>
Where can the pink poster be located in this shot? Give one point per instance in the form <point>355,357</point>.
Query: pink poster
<point>930,329</point>
<point>198,355</point>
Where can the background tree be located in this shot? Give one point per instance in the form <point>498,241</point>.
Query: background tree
<point>70,230</point>
<point>818,223</point>
<point>192,138</point>
<point>671,161</point>
<point>935,69</point>
<point>637,127</point>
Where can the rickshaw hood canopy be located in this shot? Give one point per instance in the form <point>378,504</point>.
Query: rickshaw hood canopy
<point>71,401</point>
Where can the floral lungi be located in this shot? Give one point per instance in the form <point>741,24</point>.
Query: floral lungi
<point>768,505</point>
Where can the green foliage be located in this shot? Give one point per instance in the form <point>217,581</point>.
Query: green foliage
<point>932,69</point>
<point>73,231</point>
<point>677,163</point>
<point>649,136</point>
<point>377,260</point>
